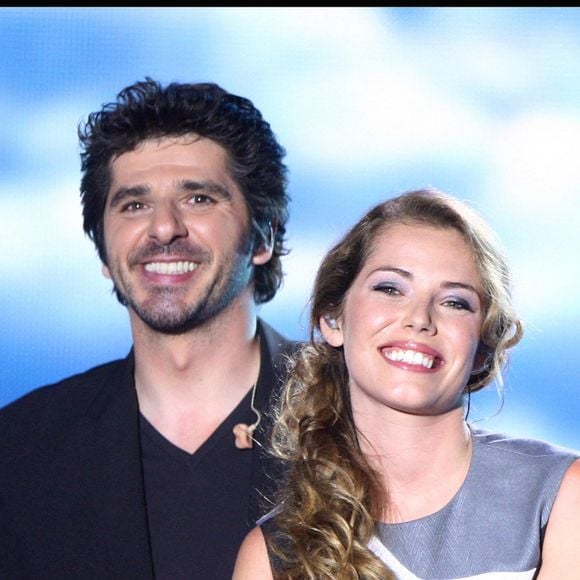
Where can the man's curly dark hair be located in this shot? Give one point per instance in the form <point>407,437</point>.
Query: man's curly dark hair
<point>148,110</point>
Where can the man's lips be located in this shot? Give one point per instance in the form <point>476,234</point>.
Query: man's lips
<point>412,356</point>
<point>179,251</point>
<point>170,268</point>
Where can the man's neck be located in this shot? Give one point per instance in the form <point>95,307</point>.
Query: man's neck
<point>188,384</point>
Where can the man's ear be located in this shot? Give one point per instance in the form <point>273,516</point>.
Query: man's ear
<point>262,255</point>
<point>106,272</point>
<point>331,330</point>
<point>264,248</point>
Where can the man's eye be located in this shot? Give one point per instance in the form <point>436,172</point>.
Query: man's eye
<point>200,199</point>
<point>133,206</point>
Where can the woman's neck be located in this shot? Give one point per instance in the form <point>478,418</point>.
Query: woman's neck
<point>421,461</point>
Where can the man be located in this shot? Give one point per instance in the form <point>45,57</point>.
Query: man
<point>146,467</point>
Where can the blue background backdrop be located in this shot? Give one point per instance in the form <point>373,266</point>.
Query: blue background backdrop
<point>481,102</point>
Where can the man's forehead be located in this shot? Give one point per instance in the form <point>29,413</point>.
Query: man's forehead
<point>198,159</point>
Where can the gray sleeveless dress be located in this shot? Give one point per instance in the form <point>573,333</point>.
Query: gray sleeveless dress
<point>494,526</point>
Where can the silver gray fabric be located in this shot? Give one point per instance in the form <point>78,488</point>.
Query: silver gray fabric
<point>496,521</point>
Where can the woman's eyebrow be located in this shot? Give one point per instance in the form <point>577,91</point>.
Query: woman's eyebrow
<point>465,286</point>
<point>395,269</point>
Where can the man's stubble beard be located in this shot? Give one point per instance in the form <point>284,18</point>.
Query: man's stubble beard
<point>165,311</point>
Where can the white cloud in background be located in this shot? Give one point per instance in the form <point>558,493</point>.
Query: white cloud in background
<point>349,89</point>
<point>344,91</point>
<point>48,264</point>
<point>533,190</point>
<point>482,92</point>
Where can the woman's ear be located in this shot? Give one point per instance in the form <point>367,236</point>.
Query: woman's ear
<point>331,330</point>
<point>481,360</point>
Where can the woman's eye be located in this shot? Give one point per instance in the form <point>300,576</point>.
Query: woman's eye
<point>388,289</point>
<point>457,304</point>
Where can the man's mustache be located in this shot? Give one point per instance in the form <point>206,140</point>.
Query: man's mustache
<point>181,249</point>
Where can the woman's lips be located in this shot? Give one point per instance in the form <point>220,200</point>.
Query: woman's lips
<point>412,356</point>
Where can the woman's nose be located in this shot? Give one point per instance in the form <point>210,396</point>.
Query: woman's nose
<point>419,316</point>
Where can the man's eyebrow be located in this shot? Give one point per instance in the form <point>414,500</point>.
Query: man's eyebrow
<point>127,192</point>
<point>209,187</point>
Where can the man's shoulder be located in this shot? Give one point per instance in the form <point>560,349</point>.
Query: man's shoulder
<point>279,349</point>
<point>278,343</point>
<point>70,393</point>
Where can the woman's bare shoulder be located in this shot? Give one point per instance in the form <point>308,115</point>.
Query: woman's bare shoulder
<point>560,554</point>
<point>252,562</point>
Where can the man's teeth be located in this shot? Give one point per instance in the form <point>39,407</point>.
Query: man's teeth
<point>411,357</point>
<point>170,267</point>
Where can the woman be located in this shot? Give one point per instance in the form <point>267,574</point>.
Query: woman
<point>411,314</point>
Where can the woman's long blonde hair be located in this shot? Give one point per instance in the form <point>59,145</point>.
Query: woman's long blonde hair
<point>331,497</point>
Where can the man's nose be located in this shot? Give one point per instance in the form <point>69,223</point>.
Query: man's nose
<point>167,224</point>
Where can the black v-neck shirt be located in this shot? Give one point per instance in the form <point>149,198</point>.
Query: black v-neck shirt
<point>197,504</point>
<point>200,506</point>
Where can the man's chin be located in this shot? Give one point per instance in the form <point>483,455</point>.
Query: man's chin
<point>164,319</point>
<point>171,325</point>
